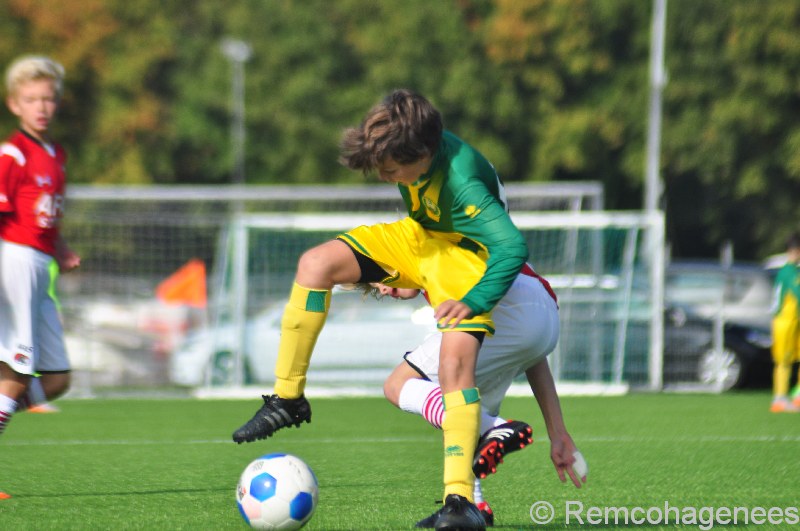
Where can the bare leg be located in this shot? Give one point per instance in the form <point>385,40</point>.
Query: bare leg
<point>396,380</point>
<point>457,359</point>
<point>55,384</point>
<point>327,264</point>
<point>12,383</point>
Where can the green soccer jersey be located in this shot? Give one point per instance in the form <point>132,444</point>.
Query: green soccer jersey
<point>462,194</point>
<point>787,291</point>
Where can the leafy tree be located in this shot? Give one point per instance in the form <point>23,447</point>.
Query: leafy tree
<point>579,68</point>
<point>731,125</point>
<point>112,111</point>
<point>547,89</point>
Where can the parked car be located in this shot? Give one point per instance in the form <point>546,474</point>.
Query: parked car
<point>691,354</point>
<point>740,293</point>
<point>716,328</point>
<point>701,297</point>
<point>359,335</point>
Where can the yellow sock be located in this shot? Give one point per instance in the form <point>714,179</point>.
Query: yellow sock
<point>302,322</point>
<point>780,379</point>
<point>460,426</point>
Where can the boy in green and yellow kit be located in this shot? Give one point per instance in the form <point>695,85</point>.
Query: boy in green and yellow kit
<point>458,243</point>
<point>786,330</point>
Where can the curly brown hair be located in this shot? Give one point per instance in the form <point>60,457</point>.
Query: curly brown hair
<point>404,126</point>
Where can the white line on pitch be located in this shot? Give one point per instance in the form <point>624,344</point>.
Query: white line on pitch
<point>389,440</point>
<point>395,440</point>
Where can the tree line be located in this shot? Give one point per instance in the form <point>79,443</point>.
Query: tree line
<point>549,90</point>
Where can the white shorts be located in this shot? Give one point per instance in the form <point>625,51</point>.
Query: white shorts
<point>526,331</point>
<point>31,335</point>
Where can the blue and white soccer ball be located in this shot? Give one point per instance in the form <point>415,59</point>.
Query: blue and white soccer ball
<point>277,491</point>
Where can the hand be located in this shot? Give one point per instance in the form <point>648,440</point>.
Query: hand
<point>450,313</point>
<point>561,452</point>
<point>67,259</point>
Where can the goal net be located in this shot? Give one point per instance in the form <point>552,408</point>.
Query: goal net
<point>132,240</point>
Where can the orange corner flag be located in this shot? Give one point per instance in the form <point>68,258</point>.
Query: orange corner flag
<point>187,285</point>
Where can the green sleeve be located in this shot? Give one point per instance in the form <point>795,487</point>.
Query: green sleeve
<point>493,229</point>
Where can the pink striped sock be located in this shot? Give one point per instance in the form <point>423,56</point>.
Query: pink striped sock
<point>423,397</point>
<point>5,416</point>
<point>433,408</point>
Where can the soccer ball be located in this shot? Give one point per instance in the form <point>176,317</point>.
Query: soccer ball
<point>277,491</point>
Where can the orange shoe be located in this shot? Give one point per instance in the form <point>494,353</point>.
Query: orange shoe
<point>782,405</point>
<point>44,407</point>
<point>4,496</point>
<point>796,400</point>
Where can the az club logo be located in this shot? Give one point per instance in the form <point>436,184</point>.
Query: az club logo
<point>431,207</point>
<point>22,359</point>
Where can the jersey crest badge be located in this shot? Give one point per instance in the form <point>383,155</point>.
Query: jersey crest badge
<point>43,180</point>
<point>432,208</point>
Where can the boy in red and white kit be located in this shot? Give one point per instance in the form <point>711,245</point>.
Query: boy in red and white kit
<point>32,184</point>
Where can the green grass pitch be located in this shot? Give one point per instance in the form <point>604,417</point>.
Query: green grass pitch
<point>169,464</point>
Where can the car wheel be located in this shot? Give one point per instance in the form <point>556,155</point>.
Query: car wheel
<point>721,369</point>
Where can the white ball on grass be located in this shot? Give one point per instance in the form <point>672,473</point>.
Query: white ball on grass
<point>580,466</point>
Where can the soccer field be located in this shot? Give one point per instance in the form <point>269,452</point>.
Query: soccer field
<point>170,464</point>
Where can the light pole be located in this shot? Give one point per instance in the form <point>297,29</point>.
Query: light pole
<point>658,79</point>
<point>238,52</point>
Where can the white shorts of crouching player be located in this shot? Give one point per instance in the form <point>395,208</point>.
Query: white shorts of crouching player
<point>526,331</point>
<point>31,334</point>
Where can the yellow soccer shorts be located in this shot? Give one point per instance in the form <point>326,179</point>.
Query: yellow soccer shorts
<point>414,257</point>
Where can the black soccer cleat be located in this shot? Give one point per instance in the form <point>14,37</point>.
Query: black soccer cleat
<point>457,513</point>
<point>430,521</point>
<point>276,413</point>
<point>496,443</point>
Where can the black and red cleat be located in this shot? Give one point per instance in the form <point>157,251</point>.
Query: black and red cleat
<point>497,443</point>
<point>486,512</point>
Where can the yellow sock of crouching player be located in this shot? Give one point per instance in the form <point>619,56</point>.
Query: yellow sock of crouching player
<point>302,322</point>
<point>460,426</point>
